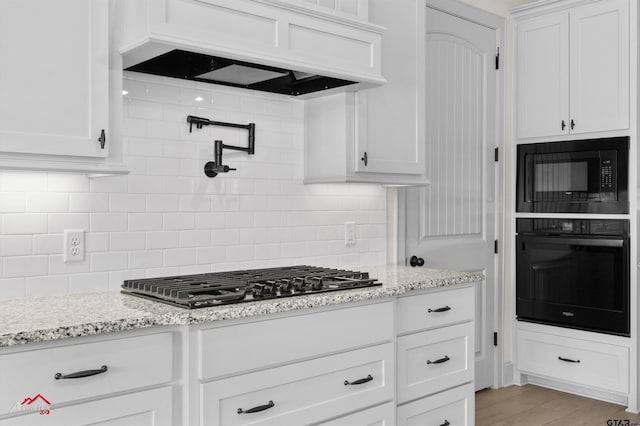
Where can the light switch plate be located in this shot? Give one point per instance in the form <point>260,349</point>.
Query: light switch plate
<point>349,233</point>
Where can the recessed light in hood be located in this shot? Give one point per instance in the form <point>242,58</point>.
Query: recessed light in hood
<point>217,70</point>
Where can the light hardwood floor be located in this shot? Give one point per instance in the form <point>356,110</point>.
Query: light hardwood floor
<point>533,406</point>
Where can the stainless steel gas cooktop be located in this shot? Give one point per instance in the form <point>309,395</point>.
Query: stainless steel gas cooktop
<point>220,288</point>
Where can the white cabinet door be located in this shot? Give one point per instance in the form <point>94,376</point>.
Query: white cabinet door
<point>599,67</point>
<point>453,407</point>
<point>543,77</point>
<point>390,133</point>
<point>148,408</point>
<point>54,76</point>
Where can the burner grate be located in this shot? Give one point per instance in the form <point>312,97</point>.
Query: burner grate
<point>219,288</point>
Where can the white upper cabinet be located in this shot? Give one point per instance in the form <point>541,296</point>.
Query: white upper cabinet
<point>573,71</point>
<point>543,76</point>
<point>54,77</point>
<point>376,135</point>
<point>599,58</point>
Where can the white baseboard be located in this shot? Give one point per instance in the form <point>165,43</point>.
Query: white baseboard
<point>578,390</point>
<point>507,374</point>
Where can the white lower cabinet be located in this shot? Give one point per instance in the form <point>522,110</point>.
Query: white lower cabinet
<point>119,379</point>
<point>435,358</point>
<point>382,415</point>
<point>302,393</point>
<point>146,408</point>
<point>453,407</point>
<point>598,365</point>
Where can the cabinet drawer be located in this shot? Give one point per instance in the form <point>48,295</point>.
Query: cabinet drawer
<point>600,365</point>
<point>452,350</point>
<point>382,415</point>
<point>431,310</point>
<point>232,349</point>
<point>148,408</point>
<point>131,362</point>
<point>454,407</point>
<point>302,393</point>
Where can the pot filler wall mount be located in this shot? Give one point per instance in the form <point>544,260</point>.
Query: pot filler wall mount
<point>212,168</point>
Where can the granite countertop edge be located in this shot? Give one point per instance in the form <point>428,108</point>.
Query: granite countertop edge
<point>31,320</point>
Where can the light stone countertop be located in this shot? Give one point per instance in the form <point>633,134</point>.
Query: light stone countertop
<point>40,319</point>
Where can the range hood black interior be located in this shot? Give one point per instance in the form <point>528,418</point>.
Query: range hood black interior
<point>228,72</point>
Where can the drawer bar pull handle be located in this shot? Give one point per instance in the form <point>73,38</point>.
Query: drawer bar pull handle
<point>257,409</point>
<point>359,381</point>
<point>438,361</point>
<point>446,423</point>
<point>80,374</point>
<point>568,359</point>
<point>443,309</point>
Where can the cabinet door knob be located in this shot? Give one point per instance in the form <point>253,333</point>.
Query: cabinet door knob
<point>573,124</point>
<point>563,125</point>
<point>365,158</point>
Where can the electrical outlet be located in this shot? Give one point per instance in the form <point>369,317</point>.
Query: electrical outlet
<point>349,233</point>
<point>73,245</point>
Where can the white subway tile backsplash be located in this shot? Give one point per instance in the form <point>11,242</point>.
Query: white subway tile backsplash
<point>162,202</point>
<point>209,220</point>
<point>89,202</point>
<point>13,202</point>
<point>43,286</point>
<point>18,181</point>
<point>25,266</point>
<point>97,241</point>
<point>195,238</point>
<point>108,185</point>
<point>145,221</point>
<point>105,222</point>
<point>27,223</point>
<point>120,241</point>
<point>140,184</point>
<point>145,259</point>
<point>127,203</point>
<point>167,218</point>
<point>58,222</point>
<point>108,261</point>
<point>57,266</point>
<point>178,221</point>
<point>16,245</point>
<point>180,257</point>
<point>81,283</point>
<point>47,202</point>
<point>163,239</point>
<point>12,288</point>
<point>209,255</point>
<point>47,243</point>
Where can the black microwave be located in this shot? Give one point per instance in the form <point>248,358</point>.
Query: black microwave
<point>585,176</point>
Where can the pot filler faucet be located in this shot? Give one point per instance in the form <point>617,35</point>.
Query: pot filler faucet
<point>212,168</point>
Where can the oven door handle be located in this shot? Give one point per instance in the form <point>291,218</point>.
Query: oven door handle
<point>591,242</point>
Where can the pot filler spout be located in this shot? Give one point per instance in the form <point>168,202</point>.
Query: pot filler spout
<point>216,70</point>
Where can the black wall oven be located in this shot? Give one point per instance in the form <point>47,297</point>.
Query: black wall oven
<point>585,176</point>
<point>573,273</point>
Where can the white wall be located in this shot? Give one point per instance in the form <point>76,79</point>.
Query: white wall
<point>166,217</point>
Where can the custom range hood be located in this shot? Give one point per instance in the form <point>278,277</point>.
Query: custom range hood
<point>290,47</point>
